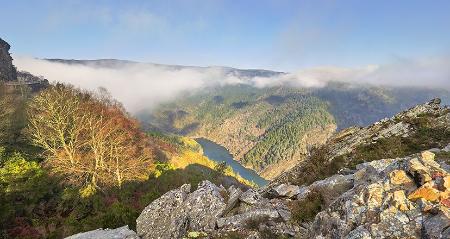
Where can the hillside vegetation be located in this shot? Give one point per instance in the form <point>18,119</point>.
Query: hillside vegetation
<point>271,129</point>
<point>73,161</point>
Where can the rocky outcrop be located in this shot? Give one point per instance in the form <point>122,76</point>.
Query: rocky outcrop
<point>421,127</point>
<point>387,202</point>
<point>7,69</point>
<point>390,198</point>
<point>14,78</point>
<point>118,233</point>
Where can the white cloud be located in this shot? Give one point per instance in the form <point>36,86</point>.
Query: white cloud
<point>143,86</point>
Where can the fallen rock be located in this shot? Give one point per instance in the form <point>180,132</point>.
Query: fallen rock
<point>399,177</point>
<point>427,155</point>
<point>400,201</point>
<point>330,188</point>
<point>289,191</point>
<point>118,233</point>
<point>233,198</point>
<point>242,220</point>
<point>250,197</point>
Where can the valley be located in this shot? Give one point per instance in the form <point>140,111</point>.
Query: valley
<point>272,129</point>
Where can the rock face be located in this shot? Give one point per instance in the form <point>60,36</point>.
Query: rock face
<point>179,211</point>
<point>118,233</point>
<point>384,202</point>
<point>213,211</point>
<point>381,199</point>
<point>7,70</point>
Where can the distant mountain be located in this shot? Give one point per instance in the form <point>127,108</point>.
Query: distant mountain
<point>114,63</point>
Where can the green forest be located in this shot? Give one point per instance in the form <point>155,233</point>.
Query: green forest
<point>267,126</point>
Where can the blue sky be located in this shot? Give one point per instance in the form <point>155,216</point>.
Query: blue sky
<point>282,35</point>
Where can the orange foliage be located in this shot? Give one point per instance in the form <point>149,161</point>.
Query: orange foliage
<point>89,137</point>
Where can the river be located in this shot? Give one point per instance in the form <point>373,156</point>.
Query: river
<point>219,153</point>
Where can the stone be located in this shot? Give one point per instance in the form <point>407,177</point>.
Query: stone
<point>160,219</point>
<point>330,188</point>
<point>447,148</point>
<point>233,198</point>
<point>427,155</point>
<point>250,197</point>
<point>176,212</point>
<point>303,193</point>
<point>424,205</point>
<point>289,191</point>
<point>203,207</point>
<point>446,183</point>
<point>359,233</point>
<point>426,192</point>
<point>399,177</point>
<point>374,195</point>
<point>420,173</point>
<point>400,201</point>
<point>446,202</point>
<point>118,233</point>
<point>436,225</point>
<point>241,220</point>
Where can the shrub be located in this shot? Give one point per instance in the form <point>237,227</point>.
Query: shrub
<point>305,210</point>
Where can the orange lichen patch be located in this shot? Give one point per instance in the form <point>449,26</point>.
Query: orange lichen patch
<point>426,192</point>
<point>399,177</point>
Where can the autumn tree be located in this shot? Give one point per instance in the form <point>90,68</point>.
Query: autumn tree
<point>88,137</point>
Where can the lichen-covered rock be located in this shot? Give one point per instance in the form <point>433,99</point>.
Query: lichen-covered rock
<point>427,155</point>
<point>233,198</point>
<point>332,187</point>
<point>250,197</point>
<point>118,233</point>
<point>381,208</point>
<point>399,177</point>
<point>285,190</point>
<point>241,220</point>
<point>426,192</point>
<point>179,211</point>
<point>160,219</point>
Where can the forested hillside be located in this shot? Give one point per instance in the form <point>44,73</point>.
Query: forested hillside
<point>271,129</point>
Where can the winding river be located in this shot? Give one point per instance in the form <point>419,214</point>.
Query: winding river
<point>219,153</point>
